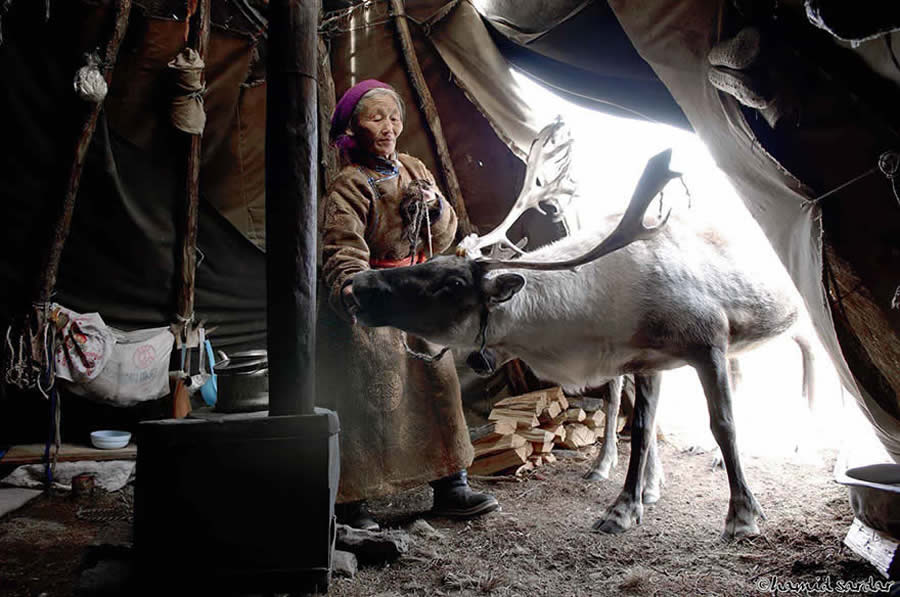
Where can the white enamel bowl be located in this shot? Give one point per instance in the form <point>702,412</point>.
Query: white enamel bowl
<point>109,439</point>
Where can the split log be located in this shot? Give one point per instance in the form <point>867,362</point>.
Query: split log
<point>559,433</point>
<point>491,431</point>
<point>535,408</point>
<point>550,413</point>
<point>578,436</point>
<point>555,394</point>
<point>575,415</point>
<point>507,442</point>
<point>543,447</point>
<point>527,398</point>
<point>595,420</point>
<point>523,420</point>
<point>559,419</point>
<point>501,461</point>
<point>537,435</point>
<point>526,401</point>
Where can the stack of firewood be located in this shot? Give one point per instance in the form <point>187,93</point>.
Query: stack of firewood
<point>523,431</point>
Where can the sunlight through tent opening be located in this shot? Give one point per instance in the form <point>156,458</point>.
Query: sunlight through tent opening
<point>772,418</point>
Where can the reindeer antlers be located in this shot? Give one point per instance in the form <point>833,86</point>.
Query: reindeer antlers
<point>550,156</point>
<point>630,228</point>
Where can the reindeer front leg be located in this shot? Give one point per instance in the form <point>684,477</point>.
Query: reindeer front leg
<point>628,508</point>
<point>609,453</point>
<point>743,509</point>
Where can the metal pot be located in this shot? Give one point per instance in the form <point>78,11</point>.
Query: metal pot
<point>243,382</point>
<point>875,496</point>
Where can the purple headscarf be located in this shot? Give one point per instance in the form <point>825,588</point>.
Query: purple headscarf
<point>343,111</point>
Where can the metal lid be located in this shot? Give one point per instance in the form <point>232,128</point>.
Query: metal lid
<point>250,354</point>
<point>240,366</point>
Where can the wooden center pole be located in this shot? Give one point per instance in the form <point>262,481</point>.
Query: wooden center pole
<point>291,171</point>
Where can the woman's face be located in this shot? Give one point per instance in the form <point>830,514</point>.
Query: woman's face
<point>378,125</point>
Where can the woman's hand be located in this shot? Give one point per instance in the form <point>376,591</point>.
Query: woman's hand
<point>418,194</point>
<point>351,305</point>
<point>432,201</point>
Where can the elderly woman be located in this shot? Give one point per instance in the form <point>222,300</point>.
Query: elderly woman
<point>401,416</point>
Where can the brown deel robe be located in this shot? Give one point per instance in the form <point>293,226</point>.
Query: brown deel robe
<point>401,418</point>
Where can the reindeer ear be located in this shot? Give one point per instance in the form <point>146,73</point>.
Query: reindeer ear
<point>500,289</point>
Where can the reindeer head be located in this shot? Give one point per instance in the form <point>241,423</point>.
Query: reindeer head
<point>447,299</point>
<point>442,300</point>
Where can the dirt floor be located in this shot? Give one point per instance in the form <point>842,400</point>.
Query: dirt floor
<point>43,546</point>
<point>540,543</point>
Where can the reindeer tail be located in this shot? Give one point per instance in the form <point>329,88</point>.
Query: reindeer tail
<point>809,386</point>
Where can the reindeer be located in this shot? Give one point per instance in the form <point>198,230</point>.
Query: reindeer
<point>580,316</point>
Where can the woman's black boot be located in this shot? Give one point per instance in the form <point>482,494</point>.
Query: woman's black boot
<point>455,499</point>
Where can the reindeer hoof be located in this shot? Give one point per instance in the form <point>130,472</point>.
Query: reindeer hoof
<point>736,532</point>
<point>743,512</point>
<point>594,475</point>
<point>620,517</point>
<point>608,527</point>
<point>650,496</point>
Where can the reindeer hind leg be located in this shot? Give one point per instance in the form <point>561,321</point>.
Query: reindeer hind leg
<point>609,453</point>
<point>743,508</point>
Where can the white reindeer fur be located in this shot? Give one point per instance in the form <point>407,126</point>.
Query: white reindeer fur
<point>577,328</point>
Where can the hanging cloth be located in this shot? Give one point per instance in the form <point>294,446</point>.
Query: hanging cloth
<point>187,111</point>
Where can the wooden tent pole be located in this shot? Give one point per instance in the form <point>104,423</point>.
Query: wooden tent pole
<point>328,157</point>
<point>291,177</point>
<point>64,218</point>
<point>433,121</point>
<point>188,258</point>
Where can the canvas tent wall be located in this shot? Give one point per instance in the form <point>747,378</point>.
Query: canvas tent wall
<point>120,255</point>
